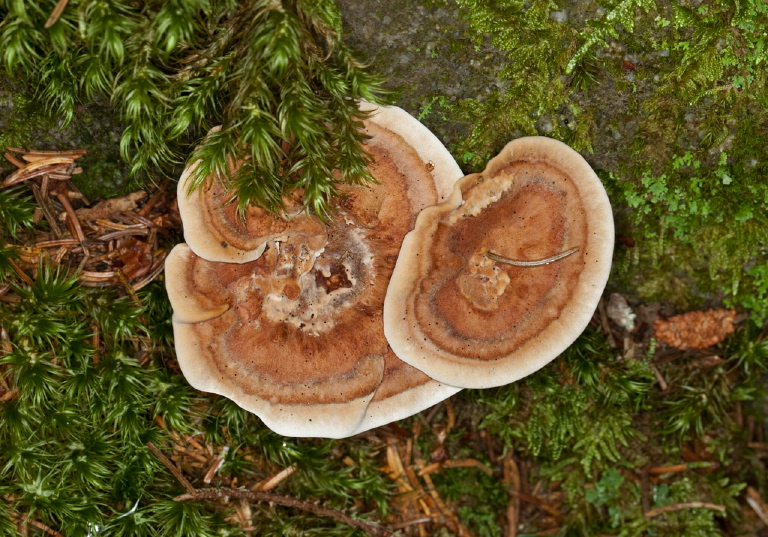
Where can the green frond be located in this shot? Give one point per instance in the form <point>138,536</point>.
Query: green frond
<point>699,405</point>
<point>20,42</point>
<point>180,519</point>
<point>747,354</point>
<point>118,318</point>
<point>19,425</point>
<point>107,26</point>
<point>8,255</point>
<point>17,210</point>
<point>212,157</point>
<point>35,375</point>
<point>177,24</point>
<point>54,289</point>
<point>7,521</point>
<point>174,401</point>
<point>623,14</point>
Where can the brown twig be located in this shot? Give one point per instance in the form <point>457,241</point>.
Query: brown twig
<point>682,506</point>
<point>44,203</point>
<point>23,275</point>
<point>414,522</point>
<point>154,198</point>
<point>659,377</point>
<point>275,480</point>
<point>39,525</point>
<point>511,477</point>
<point>158,267</point>
<point>538,502</point>
<point>36,169</point>
<point>71,217</point>
<point>173,468</point>
<point>127,285</point>
<point>370,528</point>
<point>757,504</point>
<point>463,463</point>
<point>74,154</point>
<point>123,233</point>
<point>13,160</point>
<point>661,470</point>
<point>606,326</point>
<point>645,487</point>
<point>57,242</point>
<point>56,13</point>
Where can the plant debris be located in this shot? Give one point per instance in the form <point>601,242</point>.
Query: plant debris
<point>532,458</point>
<point>696,329</point>
<point>112,243</point>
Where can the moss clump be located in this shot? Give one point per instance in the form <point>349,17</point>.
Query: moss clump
<point>668,102</point>
<point>274,75</point>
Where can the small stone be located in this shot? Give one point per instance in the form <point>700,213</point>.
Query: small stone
<point>559,16</point>
<point>620,313</point>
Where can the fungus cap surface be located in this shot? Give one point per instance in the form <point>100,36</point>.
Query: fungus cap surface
<point>296,335</point>
<point>215,231</point>
<point>469,320</point>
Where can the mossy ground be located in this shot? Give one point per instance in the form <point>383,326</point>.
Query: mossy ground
<point>24,123</point>
<point>665,100</point>
<point>669,106</point>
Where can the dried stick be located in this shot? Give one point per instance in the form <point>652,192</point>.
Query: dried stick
<point>173,468</point>
<point>370,528</point>
<point>661,470</point>
<point>538,263</point>
<point>43,202</point>
<point>682,506</point>
<point>36,169</point>
<point>538,502</point>
<point>56,13</point>
<point>71,217</point>
<point>257,496</point>
<point>656,373</point>
<point>274,481</point>
<point>13,160</point>
<point>757,504</point>
<point>511,477</point>
<point>23,275</point>
<point>24,519</point>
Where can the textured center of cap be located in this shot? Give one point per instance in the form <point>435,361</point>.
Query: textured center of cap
<point>482,282</point>
<point>305,287</point>
<point>483,309</point>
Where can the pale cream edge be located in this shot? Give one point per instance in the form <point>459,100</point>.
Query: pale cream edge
<point>554,340</point>
<point>405,404</point>
<point>445,175</point>
<point>185,308</point>
<point>324,421</point>
<point>196,233</point>
<point>420,138</point>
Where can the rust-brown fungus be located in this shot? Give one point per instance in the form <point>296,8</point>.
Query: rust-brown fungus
<point>495,282</point>
<point>296,335</point>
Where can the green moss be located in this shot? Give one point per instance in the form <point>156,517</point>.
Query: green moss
<point>24,123</point>
<point>668,103</point>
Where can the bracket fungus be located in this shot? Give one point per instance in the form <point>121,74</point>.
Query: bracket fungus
<point>499,279</point>
<point>295,332</point>
<point>215,231</point>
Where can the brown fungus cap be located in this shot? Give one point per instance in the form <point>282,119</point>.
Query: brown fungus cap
<point>214,230</point>
<point>296,335</point>
<point>467,319</point>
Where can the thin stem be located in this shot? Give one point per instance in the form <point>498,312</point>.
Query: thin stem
<point>370,528</point>
<point>172,467</point>
<point>681,506</point>
<point>547,261</point>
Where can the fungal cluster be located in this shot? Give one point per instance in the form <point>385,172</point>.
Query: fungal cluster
<point>423,283</point>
